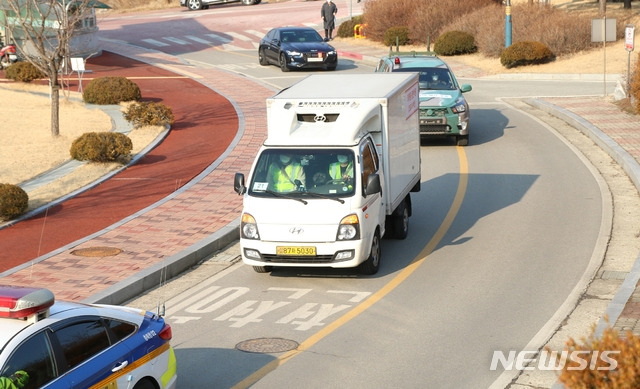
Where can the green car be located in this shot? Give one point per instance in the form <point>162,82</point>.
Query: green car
<point>443,108</point>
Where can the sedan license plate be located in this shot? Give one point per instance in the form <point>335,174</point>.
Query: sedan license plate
<point>296,250</point>
<point>315,57</point>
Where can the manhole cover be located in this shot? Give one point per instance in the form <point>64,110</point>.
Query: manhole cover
<point>97,252</point>
<point>267,345</point>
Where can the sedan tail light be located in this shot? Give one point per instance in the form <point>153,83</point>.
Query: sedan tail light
<point>166,332</point>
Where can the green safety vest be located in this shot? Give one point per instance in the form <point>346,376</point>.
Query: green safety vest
<point>336,173</point>
<point>284,177</point>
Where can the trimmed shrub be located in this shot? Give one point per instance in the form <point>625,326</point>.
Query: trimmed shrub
<point>525,53</point>
<point>600,372</point>
<point>13,201</point>
<point>454,43</point>
<point>634,87</point>
<point>148,114</point>
<point>111,90</point>
<point>23,71</point>
<point>101,147</point>
<point>345,29</point>
<point>399,35</point>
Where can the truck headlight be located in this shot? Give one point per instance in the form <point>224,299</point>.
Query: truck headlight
<point>349,228</point>
<point>248,227</point>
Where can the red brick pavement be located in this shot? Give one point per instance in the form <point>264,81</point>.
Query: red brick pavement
<point>192,144</point>
<point>209,141</point>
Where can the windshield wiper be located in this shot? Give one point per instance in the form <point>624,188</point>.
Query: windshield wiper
<point>285,196</point>
<point>320,195</point>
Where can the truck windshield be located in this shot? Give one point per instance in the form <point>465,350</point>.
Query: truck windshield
<point>304,173</point>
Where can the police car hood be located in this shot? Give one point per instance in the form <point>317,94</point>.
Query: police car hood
<point>439,98</point>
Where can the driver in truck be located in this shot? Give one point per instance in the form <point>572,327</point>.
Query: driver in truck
<point>342,169</point>
<point>286,175</point>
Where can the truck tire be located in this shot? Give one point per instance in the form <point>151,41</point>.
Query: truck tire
<point>372,264</point>
<point>462,140</point>
<point>262,269</point>
<point>401,221</point>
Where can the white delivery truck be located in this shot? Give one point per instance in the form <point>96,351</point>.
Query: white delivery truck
<point>335,173</point>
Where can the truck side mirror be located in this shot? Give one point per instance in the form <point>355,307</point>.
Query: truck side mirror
<point>238,184</point>
<point>373,185</point>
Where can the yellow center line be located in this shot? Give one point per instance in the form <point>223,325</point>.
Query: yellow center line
<point>385,290</point>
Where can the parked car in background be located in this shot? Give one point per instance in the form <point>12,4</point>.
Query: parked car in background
<point>443,108</point>
<point>296,48</point>
<point>54,344</point>
<point>194,5</point>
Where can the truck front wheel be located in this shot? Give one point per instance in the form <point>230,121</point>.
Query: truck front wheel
<point>371,265</point>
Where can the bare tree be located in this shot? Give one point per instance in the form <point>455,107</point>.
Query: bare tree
<point>42,31</point>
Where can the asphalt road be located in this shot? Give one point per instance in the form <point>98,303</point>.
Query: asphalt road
<point>501,233</point>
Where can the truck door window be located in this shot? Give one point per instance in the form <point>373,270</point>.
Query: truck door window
<point>369,161</point>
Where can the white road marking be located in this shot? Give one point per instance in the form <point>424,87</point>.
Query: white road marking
<point>175,40</point>
<point>199,40</point>
<point>155,42</point>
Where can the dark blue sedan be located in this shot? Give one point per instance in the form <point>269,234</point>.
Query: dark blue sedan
<point>296,48</point>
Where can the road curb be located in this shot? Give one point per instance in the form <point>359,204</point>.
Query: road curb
<point>158,274</point>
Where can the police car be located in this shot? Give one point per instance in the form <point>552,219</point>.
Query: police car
<point>443,108</point>
<point>55,344</point>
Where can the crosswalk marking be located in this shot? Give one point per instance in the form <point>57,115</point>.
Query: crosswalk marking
<point>175,40</point>
<point>219,38</point>
<point>239,36</point>
<point>259,34</point>
<point>155,42</point>
<point>229,47</point>
<point>225,39</point>
<point>199,40</point>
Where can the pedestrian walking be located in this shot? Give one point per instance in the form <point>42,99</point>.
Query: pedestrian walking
<point>328,13</point>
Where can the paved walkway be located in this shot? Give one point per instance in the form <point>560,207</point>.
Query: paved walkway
<point>221,122</point>
<point>189,216</point>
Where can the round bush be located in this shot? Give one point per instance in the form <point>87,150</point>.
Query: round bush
<point>13,201</point>
<point>101,147</point>
<point>23,71</point>
<point>399,35</point>
<point>454,43</point>
<point>148,114</point>
<point>110,90</point>
<point>525,53</point>
<point>345,29</point>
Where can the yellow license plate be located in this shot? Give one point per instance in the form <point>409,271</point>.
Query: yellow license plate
<point>295,250</point>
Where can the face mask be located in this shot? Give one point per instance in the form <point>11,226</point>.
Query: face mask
<point>285,159</point>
